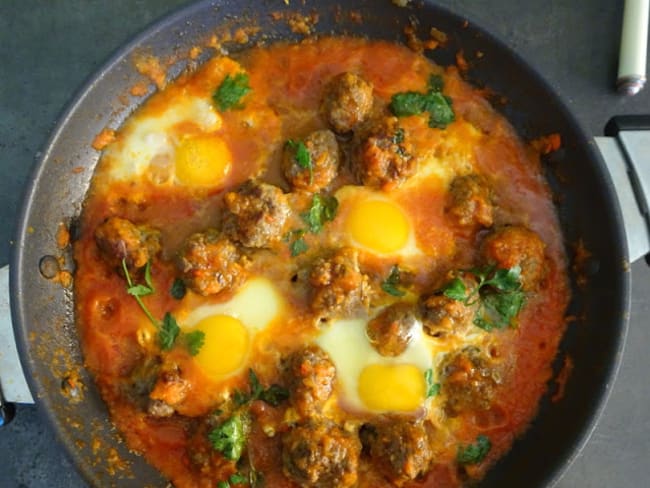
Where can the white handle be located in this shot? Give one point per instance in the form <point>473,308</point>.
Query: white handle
<point>634,41</point>
<point>12,379</point>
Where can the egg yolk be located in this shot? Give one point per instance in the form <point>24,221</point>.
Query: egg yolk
<point>225,346</point>
<point>378,225</point>
<point>392,387</point>
<point>203,160</point>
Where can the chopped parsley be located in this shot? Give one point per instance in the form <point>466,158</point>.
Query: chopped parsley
<point>229,438</point>
<point>391,283</point>
<point>498,294</point>
<point>474,453</point>
<point>322,209</point>
<point>178,289</point>
<point>230,92</point>
<point>168,332</point>
<point>302,157</point>
<point>432,389</point>
<point>432,101</point>
<point>194,341</point>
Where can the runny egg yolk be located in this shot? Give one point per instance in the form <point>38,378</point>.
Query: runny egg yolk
<point>379,225</point>
<point>392,387</point>
<point>203,160</point>
<point>225,346</point>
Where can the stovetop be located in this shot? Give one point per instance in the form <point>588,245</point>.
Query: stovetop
<point>48,48</point>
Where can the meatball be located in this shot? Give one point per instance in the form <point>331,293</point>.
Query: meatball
<point>469,380</point>
<point>442,315</point>
<point>470,201</point>
<point>170,390</point>
<point>320,455</point>
<point>399,448</point>
<point>347,102</point>
<point>255,214</point>
<point>119,239</point>
<point>517,246</point>
<point>382,159</point>
<point>391,330</point>
<point>210,263</point>
<point>323,153</point>
<point>338,286</point>
<point>310,376</point>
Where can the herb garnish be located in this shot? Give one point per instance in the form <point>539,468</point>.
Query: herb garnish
<point>391,283</point>
<point>474,453</point>
<point>322,209</point>
<point>498,294</point>
<point>432,389</point>
<point>229,438</point>
<point>273,395</point>
<point>178,289</point>
<point>230,92</point>
<point>433,101</point>
<point>302,157</point>
<point>297,241</point>
<point>168,329</point>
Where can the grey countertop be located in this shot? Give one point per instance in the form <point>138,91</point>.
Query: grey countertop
<point>47,49</point>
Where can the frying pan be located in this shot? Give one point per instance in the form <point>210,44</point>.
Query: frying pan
<point>43,310</point>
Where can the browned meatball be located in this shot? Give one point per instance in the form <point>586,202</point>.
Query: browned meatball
<point>255,214</point>
<point>399,448</point>
<point>347,102</point>
<point>515,245</point>
<point>323,153</point>
<point>120,239</point>
<point>442,315</point>
<point>320,455</point>
<point>468,381</point>
<point>170,390</point>
<point>382,159</point>
<point>310,376</point>
<point>211,263</point>
<point>390,332</point>
<point>338,286</point>
<point>470,201</point>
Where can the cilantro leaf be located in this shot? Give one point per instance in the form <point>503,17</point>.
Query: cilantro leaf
<point>230,92</point>
<point>407,103</point>
<point>390,284</point>
<point>147,276</point>
<point>506,279</point>
<point>194,341</point>
<point>223,484</point>
<point>440,112</point>
<point>455,289</point>
<point>298,247</point>
<point>438,106</point>
<point>432,389</point>
<point>322,209</point>
<point>256,387</point>
<point>237,478</point>
<point>302,157</point>
<point>139,290</point>
<point>168,332</point>
<point>229,438</point>
<point>474,453</point>
<point>273,395</point>
<point>178,289</point>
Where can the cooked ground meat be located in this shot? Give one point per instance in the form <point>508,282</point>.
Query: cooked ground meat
<point>382,158</point>
<point>517,246</point>
<point>310,378</point>
<point>120,239</point>
<point>390,332</point>
<point>338,286</point>
<point>442,315</point>
<point>347,102</point>
<point>170,390</point>
<point>320,455</point>
<point>323,157</point>
<point>470,201</point>
<point>255,214</point>
<point>468,381</point>
<point>211,263</point>
<point>160,409</point>
<point>399,448</point>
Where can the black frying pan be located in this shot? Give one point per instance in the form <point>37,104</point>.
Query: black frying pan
<point>42,310</point>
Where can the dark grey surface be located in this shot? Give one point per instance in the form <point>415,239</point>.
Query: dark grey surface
<point>48,48</point>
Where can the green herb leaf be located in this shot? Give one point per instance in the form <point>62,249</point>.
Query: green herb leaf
<point>229,438</point>
<point>408,103</point>
<point>274,395</point>
<point>474,453</point>
<point>440,112</point>
<point>322,209</point>
<point>223,484</point>
<point>147,276</point>
<point>194,341</point>
<point>230,92</point>
<point>298,247</point>
<point>438,106</point>
<point>139,290</point>
<point>256,387</point>
<point>432,388</point>
<point>390,284</point>
<point>168,332</point>
<point>302,157</point>
<point>455,289</point>
<point>506,279</point>
<point>497,310</point>
<point>178,289</point>
<point>237,478</point>
<point>240,398</point>
<point>398,137</point>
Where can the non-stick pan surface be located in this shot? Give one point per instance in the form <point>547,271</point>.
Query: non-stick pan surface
<point>42,310</point>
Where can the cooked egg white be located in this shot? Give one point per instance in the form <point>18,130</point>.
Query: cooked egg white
<point>230,327</point>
